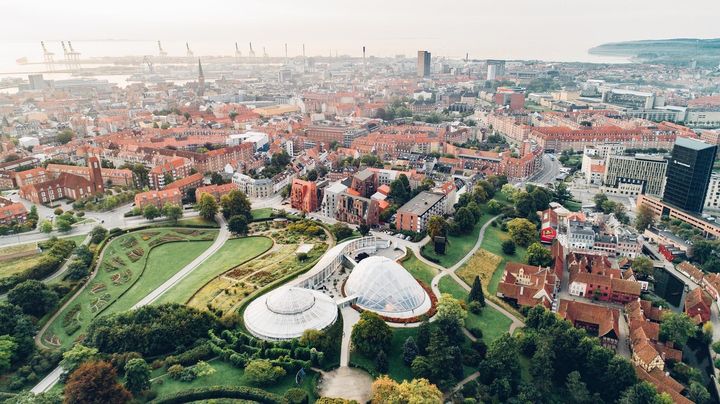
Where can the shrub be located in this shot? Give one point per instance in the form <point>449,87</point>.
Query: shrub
<point>296,396</point>
<point>475,307</point>
<point>716,347</point>
<point>476,332</point>
<point>262,372</point>
<point>205,393</point>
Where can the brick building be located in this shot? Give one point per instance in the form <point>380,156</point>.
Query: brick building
<point>355,209</point>
<point>303,195</point>
<point>65,186</point>
<point>158,198</point>
<point>414,215</point>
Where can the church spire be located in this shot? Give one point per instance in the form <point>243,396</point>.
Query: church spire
<point>201,79</point>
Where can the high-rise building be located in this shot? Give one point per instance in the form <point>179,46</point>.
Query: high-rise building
<point>423,64</point>
<point>688,174</point>
<point>495,69</point>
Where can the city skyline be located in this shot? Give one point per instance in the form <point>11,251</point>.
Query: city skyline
<point>483,30</point>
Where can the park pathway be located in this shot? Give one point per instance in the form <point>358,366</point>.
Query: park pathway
<point>53,377</point>
<point>516,322</point>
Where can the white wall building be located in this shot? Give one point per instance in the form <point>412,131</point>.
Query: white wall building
<point>712,198</point>
<point>328,206</point>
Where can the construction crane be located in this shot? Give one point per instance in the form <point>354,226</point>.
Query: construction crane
<point>160,49</point>
<point>237,51</point>
<point>75,56</point>
<point>149,63</point>
<point>265,54</point>
<point>252,52</point>
<point>190,53</point>
<point>48,57</point>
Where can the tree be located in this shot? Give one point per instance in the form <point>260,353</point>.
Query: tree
<point>63,225</point>
<point>65,136</point>
<point>677,328</point>
<point>476,292</point>
<point>525,205</point>
<point>522,231</point>
<point>600,201</point>
<point>465,220</point>
<point>502,360</point>
<point>33,297</point>
<point>8,348</point>
<point>539,255</point>
<point>341,231</point>
<point>33,214</point>
<point>364,229</point>
<point>46,226</point>
<point>541,197</point>
<point>312,175</point>
<point>203,369</point>
<point>621,213</point>
<point>207,206</point>
<point>643,266</point>
<point>494,206</point>
<point>232,115</point>
<point>97,234</point>
<point>387,391</point>
<point>561,194</point>
<point>236,203</point>
<point>640,393</point>
<point>698,393</point>
<point>95,382</point>
<point>150,212</point>
<point>508,247</point>
<point>437,226</point>
<point>399,191</point>
<point>172,211</point>
<point>216,179</point>
<point>577,392</point>
<point>76,356</point>
<point>645,218</point>
<point>137,375</point>
<point>261,372</point>
<point>410,351</point>
<point>381,362</point>
<point>450,310</point>
<point>238,225</point>
<point>371,334</point>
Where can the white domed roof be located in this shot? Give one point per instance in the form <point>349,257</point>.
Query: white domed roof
<point>286,312</point>
<point>385,287</point>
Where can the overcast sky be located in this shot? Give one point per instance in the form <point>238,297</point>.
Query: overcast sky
<point>498,28</point>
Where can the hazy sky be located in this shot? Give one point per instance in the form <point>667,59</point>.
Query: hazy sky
<point>498,28</point>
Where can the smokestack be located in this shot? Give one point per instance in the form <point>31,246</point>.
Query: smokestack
<point>286,50</point>
<point>303,50</point>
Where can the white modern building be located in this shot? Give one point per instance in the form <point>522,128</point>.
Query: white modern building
<point>634,175</point>
<point>712,198</point>
<point>286,312</point>
<point>328,207</point>
<point>383,286</point>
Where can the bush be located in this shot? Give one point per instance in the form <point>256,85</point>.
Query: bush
<point>508,247</point>
<point>205,393</point>
<point>476,332</point>
<point>475,307</point>
<point>716,347</point>
<point>262,372</point>
<point>58,211</point>
<point>296,396</point>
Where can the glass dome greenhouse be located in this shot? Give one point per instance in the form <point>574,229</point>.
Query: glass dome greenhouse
<point>286,312</point>
<point>386,288</point>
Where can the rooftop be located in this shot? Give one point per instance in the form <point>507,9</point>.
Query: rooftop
<point>421,203</point>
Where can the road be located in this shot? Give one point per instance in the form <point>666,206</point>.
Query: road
<point>550,169</point>
<point>53,377</point>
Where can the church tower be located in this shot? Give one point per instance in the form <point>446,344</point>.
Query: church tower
<point>96,176</point>
<point>201,80</point>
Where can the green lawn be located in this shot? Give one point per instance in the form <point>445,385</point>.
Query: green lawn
<point>573,206</point>
<point>228,375</point>
<point>263,213</point>
<point>492,242</point>
<point>163,262</point>
<point>120,281</point>
<point>492,323</point>
<point>419,269</point>
<point>197,221</point>
<point>233,253</point>
<point>458,246</point>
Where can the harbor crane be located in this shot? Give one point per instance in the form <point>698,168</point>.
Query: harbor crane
<point>237,51</point>
<point>190,53</point>
<point>48,57</point>
<point>252,52</point>
<point>161,51</point>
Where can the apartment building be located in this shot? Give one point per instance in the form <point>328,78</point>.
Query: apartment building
<point>712,197</point>
<point>634,175</point>
<point>414,215</point>
<point>253,188</point>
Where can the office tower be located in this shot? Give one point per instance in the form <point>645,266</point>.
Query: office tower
<point>37,82</point>
<point>423,64</point>
<point>495,69</point>
<point>688,174</point>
